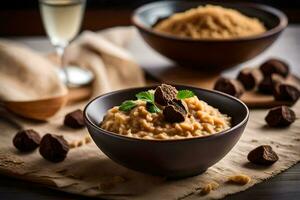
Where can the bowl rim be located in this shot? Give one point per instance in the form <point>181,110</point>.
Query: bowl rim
<point>206,137</point>
<point>283,21</point>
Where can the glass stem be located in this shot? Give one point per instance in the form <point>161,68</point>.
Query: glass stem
<point>60,52</point>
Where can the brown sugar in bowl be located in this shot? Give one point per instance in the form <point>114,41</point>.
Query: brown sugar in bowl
<point>209,54</point>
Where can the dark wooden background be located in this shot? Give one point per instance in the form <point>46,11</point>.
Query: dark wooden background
<point>22,17</point>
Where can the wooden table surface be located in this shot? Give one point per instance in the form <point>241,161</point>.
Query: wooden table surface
<point>283,186</point>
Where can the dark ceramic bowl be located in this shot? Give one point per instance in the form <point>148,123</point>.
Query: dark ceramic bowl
<point>210,54</point>
<point>171,158</point>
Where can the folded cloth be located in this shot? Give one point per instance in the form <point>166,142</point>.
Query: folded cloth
<point>104,53</point>
<point>26,75</point>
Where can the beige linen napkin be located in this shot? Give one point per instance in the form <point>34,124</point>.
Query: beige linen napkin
<point>26,75</point>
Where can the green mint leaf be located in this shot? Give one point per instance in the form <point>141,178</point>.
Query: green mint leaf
<point>127,105</point>
<point>148,96</point>
<point>145,96</point>
<point>152,108</point>
<point>183,94</point>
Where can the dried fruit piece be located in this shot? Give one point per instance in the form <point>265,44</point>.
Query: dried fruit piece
<point>229,86</point>
<point>280,116</point>
<point>209,187</point>
<point>26,140</point>
<point>164,94</point>
<point>54,148</point>
<point>240,179</point>
<point>286,92</point>
<point>275,66</point>
<point>74,119</point>
<point>250,78</point>
<point>263,155</point>
<point>269,83</point>
<point>174,112</point>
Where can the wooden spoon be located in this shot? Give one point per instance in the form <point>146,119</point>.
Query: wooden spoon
<point>38,109</point>
<point>44,108</point>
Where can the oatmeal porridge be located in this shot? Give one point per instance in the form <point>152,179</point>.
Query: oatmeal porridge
<point>210,22</point>
<point>164,114</point>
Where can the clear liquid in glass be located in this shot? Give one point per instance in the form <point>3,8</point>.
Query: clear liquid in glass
<point>62,19</point>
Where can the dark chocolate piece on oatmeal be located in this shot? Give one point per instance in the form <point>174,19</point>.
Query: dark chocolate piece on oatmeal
<point>74,119</point>
<point>26,140</point>
<point>275,66</point>
<point>229,86</point>
<point>180,103</point>
<point>286,92</point>
<point>164,94</point>
<point>54,148</point>
<point>263,155</point>
<point>280,116</point>
<point>269,83</point>
<point>175,112</point>
<point>250,78</point>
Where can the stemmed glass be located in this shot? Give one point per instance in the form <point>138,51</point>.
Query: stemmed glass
<point>62,20</point>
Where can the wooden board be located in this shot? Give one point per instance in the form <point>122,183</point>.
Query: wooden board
<point>256,100</point>
<point>253,99</point>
